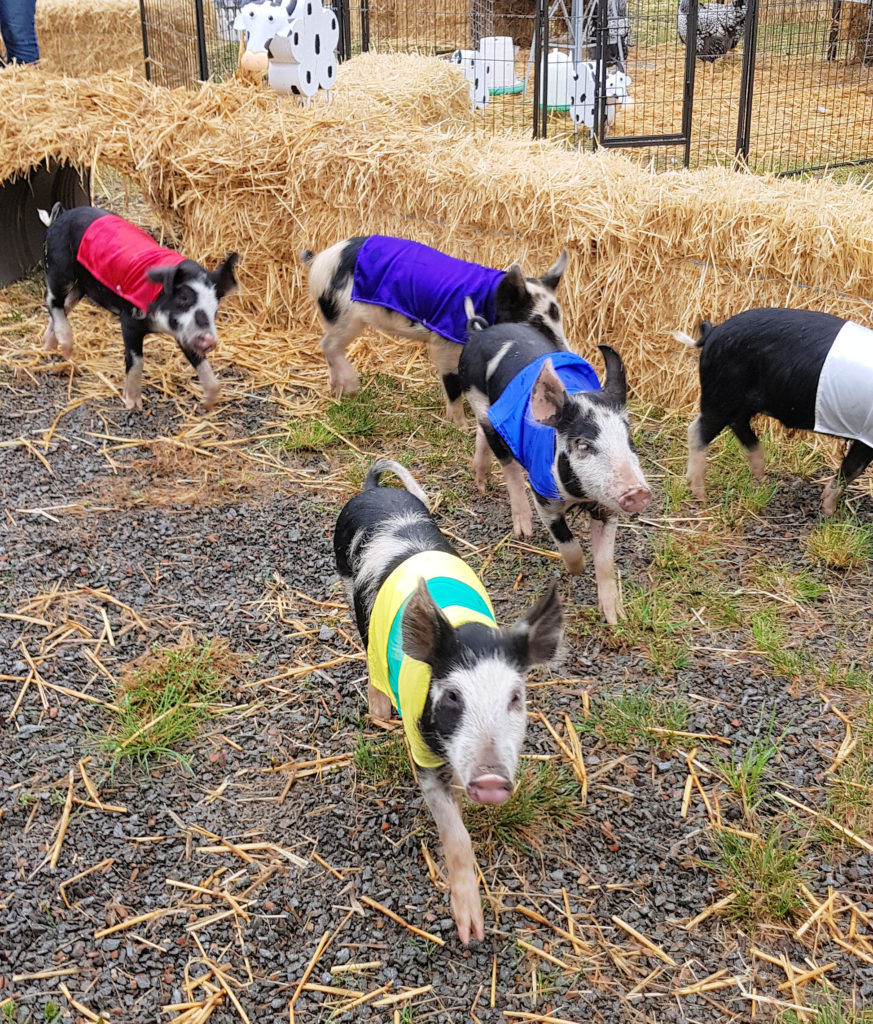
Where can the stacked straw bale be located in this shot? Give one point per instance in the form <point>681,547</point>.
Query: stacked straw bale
<point>89,37</point>
<point>235,167</point>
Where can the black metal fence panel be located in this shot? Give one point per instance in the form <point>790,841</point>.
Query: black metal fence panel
<point>781,85</point>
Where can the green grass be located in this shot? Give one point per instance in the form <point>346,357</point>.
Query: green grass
<point>10,1012</point>
<point>796,585</point>
<point>747,775</point>
<point>545,801</point>
<point>842,544</point>
<point>51,1012</point>
<point>850,790</point>
<point>686,580</point>
<point>637,718</point>
<point>762,874</point>
<point>170,692</point>
<point>772,640</point>
<point>737,493</point>
<point>833,1011</point>
<point>384,760</point>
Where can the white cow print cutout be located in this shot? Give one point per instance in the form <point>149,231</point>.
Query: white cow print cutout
<point>303,56</point>
<point>582,88</point>
<point>261,22</point>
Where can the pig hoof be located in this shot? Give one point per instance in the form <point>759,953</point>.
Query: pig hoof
<point>344,383</point>
<point>480,480</point>
<point>132,404</point>
<point>467,912</point>
<point>50,340</point>
<point>829,500</point>
<point>66,350</point>
<point>523,529</point>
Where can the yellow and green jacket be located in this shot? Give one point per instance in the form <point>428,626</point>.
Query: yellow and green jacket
<point>459,593</point>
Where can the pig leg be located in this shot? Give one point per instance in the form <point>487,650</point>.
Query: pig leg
<point>58,332</point>
<point>552,514</point>
<point>458,850</point>
<point>481,460</point>
<point>133,334</point>
<point>856,460</point>
<point>749,440</point>
<point>513,474</point>
<point>206,376</point>
<point>700,435</point>
<point>445,356</point>
<point>379,703</point>
<point>603,551</point>
<point>337,338</point>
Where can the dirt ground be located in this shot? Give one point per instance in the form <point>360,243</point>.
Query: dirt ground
<point>707,858</point>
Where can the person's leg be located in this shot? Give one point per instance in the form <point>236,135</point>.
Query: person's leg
<point>17,26</point>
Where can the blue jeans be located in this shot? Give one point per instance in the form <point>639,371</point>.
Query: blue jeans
<point>19,31</point>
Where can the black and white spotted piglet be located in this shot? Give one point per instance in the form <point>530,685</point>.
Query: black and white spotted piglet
<point>542,410</point>
<point>809,370</point>
<point>415,291</point>
<point>93,253</point>
<point>437,656</point>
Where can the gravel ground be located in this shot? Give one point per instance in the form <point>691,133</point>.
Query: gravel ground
<point>111,539</point>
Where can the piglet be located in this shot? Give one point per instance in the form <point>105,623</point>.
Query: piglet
<point>543,410</point>
<point>150,288</point>
<point>436,654</point>
<point>415,291</point>
<point>809,370</point>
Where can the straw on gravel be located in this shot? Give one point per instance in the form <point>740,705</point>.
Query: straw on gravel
<point>233,166</point>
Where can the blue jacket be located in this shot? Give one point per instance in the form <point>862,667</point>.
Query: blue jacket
<point>533,443</point>
<point>424,285</point>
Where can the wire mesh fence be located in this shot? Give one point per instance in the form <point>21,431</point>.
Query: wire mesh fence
<point>783,85</point>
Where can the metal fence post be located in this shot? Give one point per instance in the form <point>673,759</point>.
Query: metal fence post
<point>145,40</point>
<point>202,58</point>
<point>747,83</point>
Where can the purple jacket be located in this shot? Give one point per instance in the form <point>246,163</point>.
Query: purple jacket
<point>424,285</point>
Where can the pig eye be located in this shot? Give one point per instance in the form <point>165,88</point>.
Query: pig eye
<point>448,712</point>
<point>515,701</point>
<point>582,448</point>
<point>185,297</point>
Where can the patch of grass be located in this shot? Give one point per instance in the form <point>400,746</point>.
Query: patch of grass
<point>784,581</point>
<point>834,1011</point>
<point>771,639</point>
<point>739,495</point>
<point>10,1012</point>
<point>384,760</point>
<point>637,718</point>
<point>747,775</point>
<point>164,697</point>
<point>686,586</point>
<point>51,1012</point>
<point>380,410</point>
<point>850,793</point>
<point>761,873</point>
<point>652,621</point>
<point>842,544</point>
<point>546,800</point>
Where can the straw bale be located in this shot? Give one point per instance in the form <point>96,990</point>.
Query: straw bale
<point>87,37</point>
<point>233,166</point>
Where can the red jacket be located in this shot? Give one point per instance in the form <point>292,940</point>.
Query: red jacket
<point>118,254</point>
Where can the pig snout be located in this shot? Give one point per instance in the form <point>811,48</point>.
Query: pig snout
<point>204,343</point>
<point>490,787</point>
<point>635,499</point>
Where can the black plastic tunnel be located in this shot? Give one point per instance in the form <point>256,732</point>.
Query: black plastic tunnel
<point>22,233</point>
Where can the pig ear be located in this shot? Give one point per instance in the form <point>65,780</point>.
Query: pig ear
<point>165,276</point>
<point>615,386</point>
<point>538,634</point>
<point>222,276</point>
<point>552,277</point>
<point>548,396</point>
<point>426,631</point>
<point>512,299</point>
